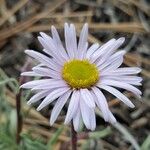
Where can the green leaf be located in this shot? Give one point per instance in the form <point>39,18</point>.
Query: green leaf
<point>100,134</point>
<point>146,144</point>
<point>28,143</point>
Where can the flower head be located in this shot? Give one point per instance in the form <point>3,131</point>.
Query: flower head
<point>77,74</point>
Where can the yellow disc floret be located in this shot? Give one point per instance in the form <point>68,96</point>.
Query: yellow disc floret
<point>80,73</point>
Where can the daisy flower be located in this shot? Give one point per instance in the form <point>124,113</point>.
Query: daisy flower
<point>77,75</point>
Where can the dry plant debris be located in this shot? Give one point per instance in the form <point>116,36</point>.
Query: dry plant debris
<point>20,22</point>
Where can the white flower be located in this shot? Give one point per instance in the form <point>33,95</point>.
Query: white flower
<point>77,74</point>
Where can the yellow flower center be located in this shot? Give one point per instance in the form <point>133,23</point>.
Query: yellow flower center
<point>80,73</point>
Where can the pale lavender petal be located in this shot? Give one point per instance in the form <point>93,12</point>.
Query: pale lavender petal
<point>50,46</point>
<point>92,119</point>
<point>117,63</point>
<point>87,97</point>
<point>108,116</point>
<point>102,50</point>
<point>51,85</point>
<point>122,85</point>
<point>114,65</point>
<point>123,71</point>
<point>47,72</point>
<point>68,41</point>
<point>82,54</point>
<point>101,102</point>
<point>73,106</point>
<point>52,96</point>
<point>30,73</point>
<point>58,43</point>
<point>58,106</point>
<point>134,80</point>
<point>85,114</point>
<point>118,94</point>
<point>32,84</point>
<point>91,50</point>
<point>117,54</point>
<point>43,59</point>
<point>112,119</point>
<point>113,59</point>
<point>38,96</point>
<point>77,120</point>
<point>126,78</point>
<point>83,39</point>
<point>74,40</point>
<point>58,63</point>
<point>111,50</point>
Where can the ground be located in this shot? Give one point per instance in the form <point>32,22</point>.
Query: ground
<point>20,24</point>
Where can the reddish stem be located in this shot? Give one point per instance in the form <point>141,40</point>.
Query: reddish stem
<point>73,137</point>
<point>18,103</point>
<point>19,116</point>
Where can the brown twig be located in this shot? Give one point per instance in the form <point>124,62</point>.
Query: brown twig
<point>127,27</point>
<point>4,34</point>
<point>11,12</point>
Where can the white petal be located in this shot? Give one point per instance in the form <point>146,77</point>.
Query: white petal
<point>92,119</point>
<point>43,59</point>
<point>102,50</point>
<point>52,96</point>
<point>113,59</point>
<point>129,78</point>
<point>30,73</point>
<point>82,54</point>
<point>91,50</point>
<point>111,49</point>
<point>87,113</point>
<point>68,41</point>
<point>122,85</point>
<point>87,97</point>
<point>101,103</point>
<point>118,94</point>
<point>74,40</point>
<point>118,54</point>
<point>47,72</point>
<point>38,96</point>
<point>58,106</point>
<point>76,120</point>
<point>83,38</point>
<point>48,44</point>
<point>51,85</point>
<point>32,84</point>
<point>123,71</point>
<point>58,43</point>
<point>42,82</point>
<point>134,80</point>
<point>112,119</point>
<point>117,63</point>
<point>73,106</point>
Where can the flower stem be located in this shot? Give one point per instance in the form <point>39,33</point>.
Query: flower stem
<point>18,103</point>
<point>19,116</point>
<point>73,137</point>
